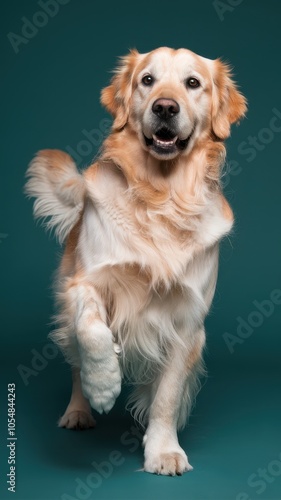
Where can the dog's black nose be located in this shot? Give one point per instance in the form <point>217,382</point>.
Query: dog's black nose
<point>165,108</point>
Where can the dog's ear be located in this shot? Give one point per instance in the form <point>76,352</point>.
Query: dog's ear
<point>228,105</point>
<point>116,97</point>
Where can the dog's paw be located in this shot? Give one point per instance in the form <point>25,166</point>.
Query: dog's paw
<point>102,385</point>
<point>77,419</point>
<point>100,373</point>
<point>168,463</point>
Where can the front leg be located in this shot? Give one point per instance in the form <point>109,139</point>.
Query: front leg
<point>172,390</point>
<point>100,371</point>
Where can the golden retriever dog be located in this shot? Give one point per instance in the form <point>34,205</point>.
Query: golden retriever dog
<point>141,228</point>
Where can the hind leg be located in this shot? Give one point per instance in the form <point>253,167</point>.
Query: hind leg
<point>78,413</point>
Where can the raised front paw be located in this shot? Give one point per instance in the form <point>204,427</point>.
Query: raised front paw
<point>101,383</point>
<point>100,370</point>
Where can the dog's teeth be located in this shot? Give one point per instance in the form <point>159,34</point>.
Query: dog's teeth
<point>159,142</point>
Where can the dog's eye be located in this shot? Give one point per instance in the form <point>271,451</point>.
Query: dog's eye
<point>193,83</point>
<point>147,80</point>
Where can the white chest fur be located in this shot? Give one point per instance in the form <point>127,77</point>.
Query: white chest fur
<point>120,230</point>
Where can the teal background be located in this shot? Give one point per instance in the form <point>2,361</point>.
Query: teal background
<point>50,94</point>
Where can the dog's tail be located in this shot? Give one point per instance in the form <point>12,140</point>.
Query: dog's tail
<point>59,189</point>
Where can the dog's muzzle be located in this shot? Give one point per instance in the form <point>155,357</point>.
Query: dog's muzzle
<point>165,140</point>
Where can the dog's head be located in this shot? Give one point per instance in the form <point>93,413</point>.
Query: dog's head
<point>169,98</point>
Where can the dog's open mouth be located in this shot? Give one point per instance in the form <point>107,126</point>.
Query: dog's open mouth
<point>164,141</point>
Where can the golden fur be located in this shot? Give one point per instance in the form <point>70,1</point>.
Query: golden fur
<point>142,226</point>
